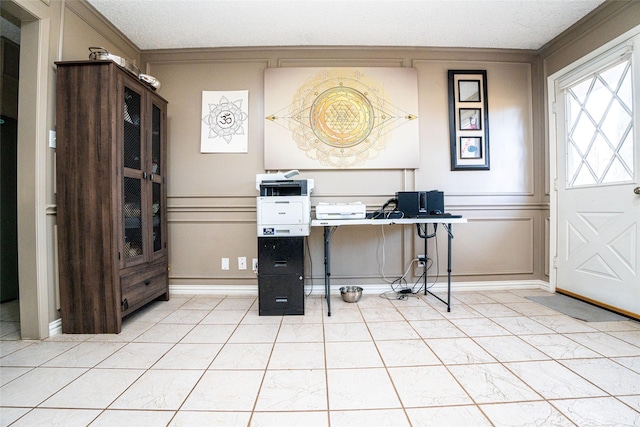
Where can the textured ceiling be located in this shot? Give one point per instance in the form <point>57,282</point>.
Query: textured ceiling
<point>508,24</point>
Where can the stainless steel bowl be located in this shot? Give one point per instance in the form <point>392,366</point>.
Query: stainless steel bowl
<point>101,54</point>
<point>351,293</point>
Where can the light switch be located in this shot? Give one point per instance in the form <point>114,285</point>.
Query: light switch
<point>52,139</point>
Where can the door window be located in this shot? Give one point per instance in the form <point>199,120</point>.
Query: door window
<point>599,116</point>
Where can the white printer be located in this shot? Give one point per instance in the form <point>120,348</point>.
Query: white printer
<point>284,205</point>
<point>353,210</point>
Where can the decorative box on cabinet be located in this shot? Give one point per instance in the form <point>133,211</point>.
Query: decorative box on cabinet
<point>110,195</point>
<point>280,276</point>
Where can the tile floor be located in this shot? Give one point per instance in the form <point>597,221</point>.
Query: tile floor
<point>496,359</point>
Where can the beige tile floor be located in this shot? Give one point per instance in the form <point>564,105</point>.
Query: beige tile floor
<point>496,359</point>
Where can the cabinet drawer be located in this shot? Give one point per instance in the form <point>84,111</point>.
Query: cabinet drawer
<point>280,295</point>
<point>281,255</point>
<point>142,286</point>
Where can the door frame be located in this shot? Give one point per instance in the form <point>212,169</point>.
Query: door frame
<point>33,102</point>
<point>552,81</point>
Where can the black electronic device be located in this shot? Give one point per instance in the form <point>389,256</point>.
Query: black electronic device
<point>420,204</point>
<point>285,187</point>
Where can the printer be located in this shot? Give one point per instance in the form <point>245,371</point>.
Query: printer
<point>284,205</point>
<point>353,210</point>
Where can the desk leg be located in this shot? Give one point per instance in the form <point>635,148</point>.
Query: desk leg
<point>449,237</point>
<point>426,258</point>
<point>327,268</point>
<point>450,234</point>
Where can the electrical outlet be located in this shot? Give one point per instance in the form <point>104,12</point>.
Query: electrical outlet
<point>225,263</point>
<point>254,263</point>
<point>242,263</point>
<point>421,260</point>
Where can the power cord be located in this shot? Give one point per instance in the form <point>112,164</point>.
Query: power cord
<point>306,240</point>
<point>403,293</point>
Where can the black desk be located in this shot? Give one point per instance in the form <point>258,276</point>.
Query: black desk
<point>331,225</point>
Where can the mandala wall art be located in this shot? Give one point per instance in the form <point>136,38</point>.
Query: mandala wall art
<point>333,118</point>
<point>225,121</point>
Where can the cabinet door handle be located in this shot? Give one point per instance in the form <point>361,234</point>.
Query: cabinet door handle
<point>151,176</point>
<point>144,175</point>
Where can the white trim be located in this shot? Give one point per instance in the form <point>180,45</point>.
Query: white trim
<point>213,290</point>
<point>596,65</point>
<point>55,327</point>
<point>372,288</point>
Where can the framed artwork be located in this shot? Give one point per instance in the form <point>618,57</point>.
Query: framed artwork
<point>468,120</point>
<point>225,118</point>
<point>341,118</point>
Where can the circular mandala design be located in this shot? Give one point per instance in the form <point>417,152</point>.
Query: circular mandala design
<point>341,117</point>
<point>225,119</point>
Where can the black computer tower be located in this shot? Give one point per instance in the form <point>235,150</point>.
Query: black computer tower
<point>280,276</point>
<point>417,204</point>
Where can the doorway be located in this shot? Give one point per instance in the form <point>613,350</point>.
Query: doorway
<point>9,73</point>
<point>597,177</point>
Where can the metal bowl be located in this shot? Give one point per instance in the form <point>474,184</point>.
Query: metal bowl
<point>351,293</point>
<point>101,54</point>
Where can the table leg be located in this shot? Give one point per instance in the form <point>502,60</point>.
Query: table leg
<point>426,258</point>
<point>327,268</point>
<point>450,234</point>
<point>449,237</point>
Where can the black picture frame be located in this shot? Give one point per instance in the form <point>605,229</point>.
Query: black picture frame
<point>469,91</point>
<point>468,120</point>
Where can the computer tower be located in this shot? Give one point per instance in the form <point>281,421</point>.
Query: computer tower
<point>409,203</point>
<point>280,276</point>
<point>434,204</point>
<point>416,204</point>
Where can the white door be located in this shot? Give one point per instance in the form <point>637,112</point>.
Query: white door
<point>598,162</point>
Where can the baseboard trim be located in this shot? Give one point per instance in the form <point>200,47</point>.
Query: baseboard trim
<point>55,327</point>
<point>372,288</point>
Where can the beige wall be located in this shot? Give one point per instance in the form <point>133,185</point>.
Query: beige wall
<point>212,197</point>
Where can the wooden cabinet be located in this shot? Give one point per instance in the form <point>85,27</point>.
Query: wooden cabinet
<point>110,195</point>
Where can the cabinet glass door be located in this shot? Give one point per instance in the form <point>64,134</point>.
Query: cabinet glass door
<point>157,182</point>
<point>132,129</point>
<point>133,185</point>
<point>133,242</point>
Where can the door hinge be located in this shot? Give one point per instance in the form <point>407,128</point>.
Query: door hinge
<point>555,185</point>
<point>553,107</point>
<point>555,262</point>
